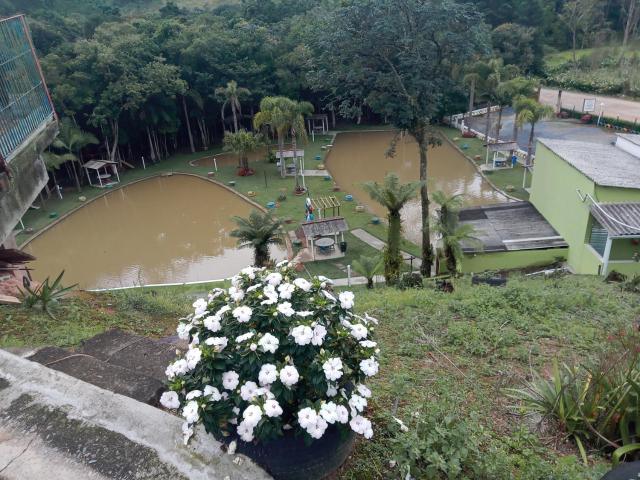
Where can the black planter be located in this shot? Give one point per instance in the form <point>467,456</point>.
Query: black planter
<point>343,247</point>
<point>289,458</point>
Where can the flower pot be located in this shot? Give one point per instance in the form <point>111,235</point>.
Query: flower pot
<point>289,458</point>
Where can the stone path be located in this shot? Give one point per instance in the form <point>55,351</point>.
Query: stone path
<point>378,244</point>
<point>627,109</point>
<point>55,426</point>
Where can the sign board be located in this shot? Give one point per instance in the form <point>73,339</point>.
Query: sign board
<point>589,105</point>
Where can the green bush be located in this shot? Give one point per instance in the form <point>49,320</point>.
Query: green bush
<point>410,280</point>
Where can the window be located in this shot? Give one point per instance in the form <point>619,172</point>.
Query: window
<point>597,236</point>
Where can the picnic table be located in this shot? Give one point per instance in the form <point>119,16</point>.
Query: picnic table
<point>325,244</point>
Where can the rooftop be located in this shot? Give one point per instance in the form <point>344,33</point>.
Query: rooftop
<point>619,219</point>
<point>326,226</point>
<point>606,165</point>
<point>510,226</point>
<point>632,137</point>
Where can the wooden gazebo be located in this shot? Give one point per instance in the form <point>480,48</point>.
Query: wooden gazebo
<point>309,232</point>
<point>104,170</point>
<point>322,204</point>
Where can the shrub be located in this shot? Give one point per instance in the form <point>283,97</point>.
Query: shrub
<point>45,294</point>
<point>410,280</point>
<point>274,353</point>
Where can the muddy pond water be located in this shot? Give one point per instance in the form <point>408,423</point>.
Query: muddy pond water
<point>357,157</point>
<point>162,230</point>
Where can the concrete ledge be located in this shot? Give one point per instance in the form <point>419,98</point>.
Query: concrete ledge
<point>52,410</point>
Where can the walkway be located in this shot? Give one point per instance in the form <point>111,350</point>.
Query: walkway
<point>378,244</point>
<point>613,107</point>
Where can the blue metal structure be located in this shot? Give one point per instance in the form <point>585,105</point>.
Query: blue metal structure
<point>25,104</point>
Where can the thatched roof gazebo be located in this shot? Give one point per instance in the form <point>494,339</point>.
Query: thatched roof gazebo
<point>310,232</point>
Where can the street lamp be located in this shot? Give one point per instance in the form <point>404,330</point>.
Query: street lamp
<point>601,113</point>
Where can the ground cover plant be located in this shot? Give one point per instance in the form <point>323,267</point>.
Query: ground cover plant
<point>447,360</point>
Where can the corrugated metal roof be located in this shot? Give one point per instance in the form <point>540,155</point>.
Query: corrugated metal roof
<point>328,226</point>
<point>605,164</point>
<point>619,219</point>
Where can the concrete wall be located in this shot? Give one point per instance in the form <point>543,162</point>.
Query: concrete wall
<point>627,146</point>
<point>511,260</point>
<point>29,178</point>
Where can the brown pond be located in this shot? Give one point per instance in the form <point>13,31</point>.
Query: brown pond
<point>162,230</point>
<point>357,157</point>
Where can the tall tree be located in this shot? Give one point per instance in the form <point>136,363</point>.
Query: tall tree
<point>294,114</point>
<point>531,111</point>
<point>392,195</point>
<point>580,16</point>
<point>71,140</point>
<point>508,91</point>
<point>401,54</point>
<point>258,231</point>
<point>242,143</point>
<point>631,18</point>
<point>273,113</point>
<point>230,96</point>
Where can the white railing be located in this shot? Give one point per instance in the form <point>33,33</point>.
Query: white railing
<point>474,113</point>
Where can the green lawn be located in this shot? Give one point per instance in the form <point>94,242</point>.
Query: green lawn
<point>503,179</point>
<point>449,355</point>
<point>556,59</point>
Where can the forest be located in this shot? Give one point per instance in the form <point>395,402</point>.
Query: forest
<point>148,78</point>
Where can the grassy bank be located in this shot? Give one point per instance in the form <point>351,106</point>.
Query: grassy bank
<point>474,149</point>
<point>449,356</point>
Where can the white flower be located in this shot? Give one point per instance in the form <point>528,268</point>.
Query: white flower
<point>268,374</point>
<point>403,427</point>
<point>332,368</point>
<point>193,394</point>
<point>342,414</point>
<point>359,331</point>
<point>329,296</point>
<point>236,281</point>
<point>324,281</point>
<point>212,323</point>
<point>369,367</point>
<point>187,432</point>
<point>282,264</point>
<point>302,284</point>
<point>231,449</point>
<point>170,400</point>
<point>215,293</point>
<point>244,337</point>
<point>368,344</point>
<point>190,412</point>
<point>302,334</point>
<point>328,412</point>
<point>245,431</point>
<point>361,425</point>
<point>249,272</point>
<point>332,391</point>
<point>193,357</point>
<point>179,367</point>
<point>286,290</point>
<point>271,294</point>
<point>289,376</point>
<point>242,314</point>
<point>307,417</point>
<point>230,380</point>
<point>253,347</point>
<point>218,343</point>
<point>304,313</point>
<point>370,319</point>
<point>364,391</point>
<point>200,306</point>
<point>252,415</point>
<point>319,332</point>
<point>183,330</point>
<point>224,309</point>
<point>248,391</point>
<point>195,339</point>
<point>346,299</point>
<point>269,343</point>
<point>274,279</point>
<point>316,431</point>
<point>253,287</point>
<point>285,309</point>
<point>357,403</point>
<point>236,294</point>
<point>272,408</point>
<point>213,393</point>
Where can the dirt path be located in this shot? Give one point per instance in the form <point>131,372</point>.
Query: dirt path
<point>627,109</point>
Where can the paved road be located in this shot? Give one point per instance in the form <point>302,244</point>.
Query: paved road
<point>627,109</point>
<point>555,129</point>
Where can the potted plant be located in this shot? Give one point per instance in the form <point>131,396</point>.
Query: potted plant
<point>276,368</point>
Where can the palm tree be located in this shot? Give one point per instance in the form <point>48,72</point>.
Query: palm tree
<point>231,96</point>
<point>531,111</point>
<point>508,91</point>
<point>53,161</point>
<point>295,113</point>
<point>452,234</point>
<point>273,113</point>
<point>72,139</point>
<point>258,231</point>
<point>242,143</point>
<point>475,75</point>
<point>392,195</point>
<point>368,267</point>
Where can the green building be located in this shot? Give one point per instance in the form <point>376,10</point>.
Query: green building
<point>584,207</point>
<point>590,194</point>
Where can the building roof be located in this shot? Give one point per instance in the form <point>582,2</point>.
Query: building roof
<point>508,227</point>
<point>632,137</point>
<point>502,146</point>
<point>605,164</point>
<point>619,219</point>
<point>326,226</point>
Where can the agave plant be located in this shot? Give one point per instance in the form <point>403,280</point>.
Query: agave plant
<point>45,294</point>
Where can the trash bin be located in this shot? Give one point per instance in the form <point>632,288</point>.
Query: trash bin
<point>343,247</point>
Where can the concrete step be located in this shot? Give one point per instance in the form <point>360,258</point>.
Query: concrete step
<point>141,355</point>
<point>108,376</point>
